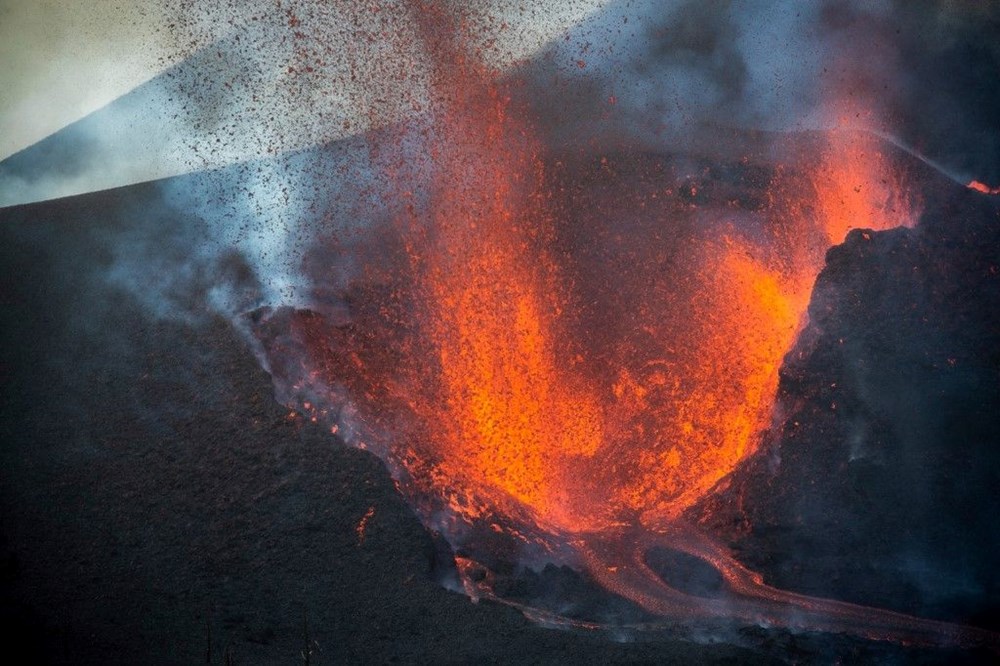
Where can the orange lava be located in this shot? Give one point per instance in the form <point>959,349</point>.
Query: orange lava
<point>983,187</point>
<point>549,364</point>
<point>521,401</point>
<point>509,413</point>
<point>362,527</point>
<point>521,411</point>
<point>857,188</point>
<point>504,410</point>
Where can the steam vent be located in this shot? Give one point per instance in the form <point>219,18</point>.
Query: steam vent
<point>583,332</point>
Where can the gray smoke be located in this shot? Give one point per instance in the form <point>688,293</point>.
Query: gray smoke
<point>683,75</point>
<point>299,98</point>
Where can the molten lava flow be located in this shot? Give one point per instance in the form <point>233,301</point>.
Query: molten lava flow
<point>588,435</point>
<point>503,411</point>
<point>509,413</point>
<point>581,444</point>
<point>620,564</point>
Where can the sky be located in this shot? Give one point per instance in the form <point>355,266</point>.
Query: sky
<point>63,59</point>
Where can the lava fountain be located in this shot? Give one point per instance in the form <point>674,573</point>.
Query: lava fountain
<point>531,366</point>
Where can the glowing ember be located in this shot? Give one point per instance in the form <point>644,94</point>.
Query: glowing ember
<point>362,527</point>
<point>983,187</point>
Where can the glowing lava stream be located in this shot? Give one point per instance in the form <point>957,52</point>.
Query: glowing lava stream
<point>618,563</point>
<point>600,436</point>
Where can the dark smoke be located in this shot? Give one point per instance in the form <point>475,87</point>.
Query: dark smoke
<point>677,76</point>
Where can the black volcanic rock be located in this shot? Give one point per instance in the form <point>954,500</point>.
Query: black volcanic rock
<point>879,483</point>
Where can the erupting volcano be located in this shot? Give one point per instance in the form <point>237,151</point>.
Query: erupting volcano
<point>670,324</point>
<point>570,351</point>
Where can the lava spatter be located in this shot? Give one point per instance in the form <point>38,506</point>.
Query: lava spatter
<point>542,369</point>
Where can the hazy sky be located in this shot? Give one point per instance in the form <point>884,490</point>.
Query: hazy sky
<point>62,59</point>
